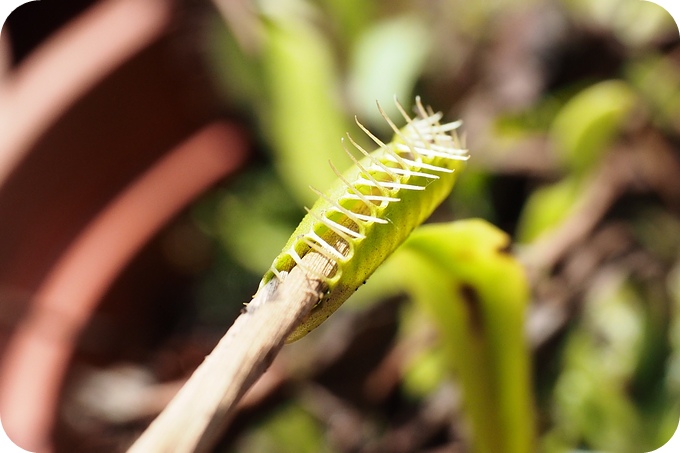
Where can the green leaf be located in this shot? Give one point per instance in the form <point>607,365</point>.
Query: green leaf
<point>305,119</point>
<point>592,404</point>
<point>387,60</point>
<point>588,123</point>
<point>657,78</point>
<point>289,429</point>
<point>547,207</point>
<point>254,217</point>
<point>477,294</point>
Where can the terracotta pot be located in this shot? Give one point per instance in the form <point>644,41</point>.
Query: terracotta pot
<point>109,129</point>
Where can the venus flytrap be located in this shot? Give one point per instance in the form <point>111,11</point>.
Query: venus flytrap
<point>474,289</point>
<point>373,207</point>
<point>459,272</point>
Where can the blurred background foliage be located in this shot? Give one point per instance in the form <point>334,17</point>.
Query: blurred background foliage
<point>571,112</point>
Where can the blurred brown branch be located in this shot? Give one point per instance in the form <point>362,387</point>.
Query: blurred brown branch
<point>199,412</point>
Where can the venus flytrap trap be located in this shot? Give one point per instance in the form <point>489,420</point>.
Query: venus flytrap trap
<point>460,272</point>
<point>373,207</point>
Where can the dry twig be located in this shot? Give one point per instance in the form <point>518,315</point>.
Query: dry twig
<point>195,418</point>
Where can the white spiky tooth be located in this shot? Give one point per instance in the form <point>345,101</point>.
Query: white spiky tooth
<point>398,132</point>
<point>430,139</point>
<point>390,185</point>
<point>372,158</point>
<point>402,110</point>
<point>353,216</point>
<point>314,241</point>
<point>448,127</point>
<point>336,205</point>
<point>448,150</point>
<point>298,261</point>
<point>414,164</point>
<point>338,229</point>
<point>457,157</point>
<point>396,157</point>
<point>433,153</point>
<point>428,125</point>
<point>353,189</point>
<point>387,119</point>
<point>416,173</point>
<point>373,198</point>
<point>376,163</point>
<point>326,245</point>
<point>370,134</point>
<point>370,218</point>
<point>376,175</point>
<point>276,273</point>
<point>381,144</point>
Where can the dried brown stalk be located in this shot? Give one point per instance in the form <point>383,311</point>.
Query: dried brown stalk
<point>195,418</point>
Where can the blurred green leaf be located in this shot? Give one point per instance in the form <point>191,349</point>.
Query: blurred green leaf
<point>238,73</point>
<point>472,197</point>
<point>525,123</point>
<point>657,78</point>
<point>305,119</point>
<point>424,372</point>
<point>477,294</point>
<point>592,404</point>
<point>425,368</point>
<point>635,23</point>
<point>254,219</point>
<point>386,61</point>
<point>546,208</point>
<point>587,124</point>
<point>350,16</point>
<point>290,429</point>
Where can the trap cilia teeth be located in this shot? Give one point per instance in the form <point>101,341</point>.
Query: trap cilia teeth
<point>372,207</point>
